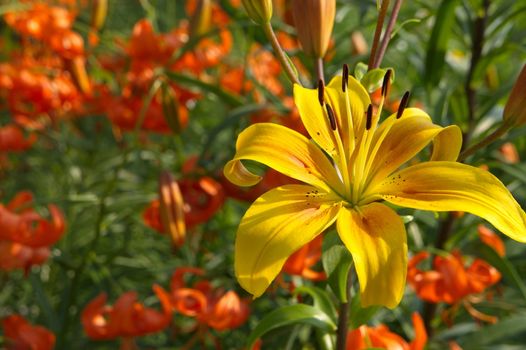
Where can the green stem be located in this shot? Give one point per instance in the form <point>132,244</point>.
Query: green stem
<point>343,316</point>
<point>280,54</point>
<point>494,136</point>
<point>319,69</point>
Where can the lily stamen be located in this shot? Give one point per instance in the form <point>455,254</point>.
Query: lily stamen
<point>321,92</point>
<point>403,104</point>
<point>345,77</point>
<point>330,114</point>
<point>386,82</point>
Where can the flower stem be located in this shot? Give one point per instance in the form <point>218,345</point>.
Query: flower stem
<point>343,316</point>
<point>484,142</point>
<point>378,31</point>
<point>280,54</point>
<point>387,35</point>
<point>319,69</point>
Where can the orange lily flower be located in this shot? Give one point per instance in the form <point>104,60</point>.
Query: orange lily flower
<point>450,281</point>
<point>127,318</point>
<point>18,256</point>
<point>487,236</point>
<point>380,337</point>
<point>12,139</point>
<point>21,224</point>
<point>21,335</point>
<point>202,199</point>
<point>212,308</point>
<point>301,261</point>
<point>509,153</point>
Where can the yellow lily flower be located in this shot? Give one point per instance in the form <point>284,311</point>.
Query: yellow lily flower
<point>350,167</point>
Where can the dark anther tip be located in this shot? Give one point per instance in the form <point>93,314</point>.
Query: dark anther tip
<point>369,121</point>
<point>385,83</point>
<point>321,92</point>
<point>403,104</point>
<point>345,77</point>
<point>330,114</point>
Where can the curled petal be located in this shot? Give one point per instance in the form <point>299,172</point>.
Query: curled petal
<point>375,236</point>
<point>285,150</point>
<point>451,186</point>
<point>407,136</point>
<point>276,225</point>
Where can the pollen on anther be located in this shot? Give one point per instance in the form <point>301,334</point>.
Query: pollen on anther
<point>403,104</point>
<point>345,77</point>
<point>321,92</point>
<point>330,114</point>
<point>369,121</point>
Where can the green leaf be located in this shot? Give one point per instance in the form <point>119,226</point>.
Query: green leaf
<point>321,299</point>
<point>292,315</point>
<point>372,80</point>
<point>502,264</point>
<point>438,44</point>
<point>360,315</point>
<point>505,328</point>
<point>360,70</point>
<point>336,261</point>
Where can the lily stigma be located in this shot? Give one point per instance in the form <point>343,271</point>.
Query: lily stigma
<point>353,166</point>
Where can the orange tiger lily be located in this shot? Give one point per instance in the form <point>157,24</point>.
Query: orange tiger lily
<point>127,318</point>
<point>213,308</point>
<point>21,335</point>
<point>21,224</point>
<point>380,337</point>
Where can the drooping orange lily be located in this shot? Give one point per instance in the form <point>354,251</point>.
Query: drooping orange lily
<point>213,308</point>
<point>349,167</point>
<point>488,237</point>
<point>18,256</point>
<point>450,281</point>
<point>380,337</point>
<point>203,197</point>
<point>21,224</point>
<point>21,335</point>
<point>301,262</point>
<point>12,139</point>
<point>127,318</point>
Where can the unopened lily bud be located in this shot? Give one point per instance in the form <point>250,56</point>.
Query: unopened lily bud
<point>260,11</point>
<point>515,109</point>
<point>99,12</point>
<point>77,68</point>
<point>172,208</point>
<point>200,21</point>
<point>314,20</point>
<point>359,44</point>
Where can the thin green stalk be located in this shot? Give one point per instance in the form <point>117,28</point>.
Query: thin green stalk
<point>280,54</point>
<point>343,316</point>
<point>494,136</point>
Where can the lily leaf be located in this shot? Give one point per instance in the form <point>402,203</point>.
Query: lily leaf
<point>336,261</point>
<point>292,315</point>
<point>372,80</point>
<point>321,299</point>
<point>438,44</point>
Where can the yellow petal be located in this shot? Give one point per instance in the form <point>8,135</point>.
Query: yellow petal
<point>276,225</point>
<point>375,236</point>
<point>407,137</point>
<point>285,150</point>
<point>451,186</point>
<point>314,117</point>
